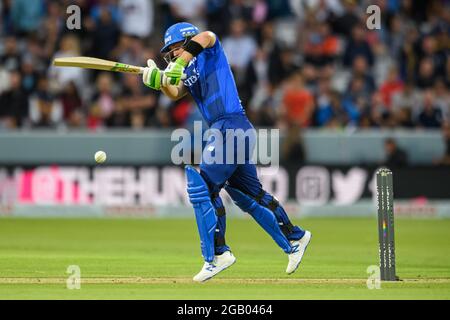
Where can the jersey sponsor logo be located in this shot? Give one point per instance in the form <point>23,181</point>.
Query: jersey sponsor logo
<point>191,80</point>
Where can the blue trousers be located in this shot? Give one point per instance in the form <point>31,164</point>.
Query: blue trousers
<point>241,175</point>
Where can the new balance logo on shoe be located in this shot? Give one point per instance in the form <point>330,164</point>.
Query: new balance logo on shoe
<point>210,267</point>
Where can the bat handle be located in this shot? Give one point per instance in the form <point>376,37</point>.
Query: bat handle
<point>141,71</point>
<point>183,77</point>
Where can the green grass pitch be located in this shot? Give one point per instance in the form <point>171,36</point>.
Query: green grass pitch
<point>156,259</point>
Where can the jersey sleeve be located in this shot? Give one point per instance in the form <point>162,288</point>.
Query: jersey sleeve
<point>215,49</point>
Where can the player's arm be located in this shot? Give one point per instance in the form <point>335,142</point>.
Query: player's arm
<point>154,78</point>
<point>193,48</point>
<point>170,82</point>
<point>205,39</point>
<point>175,92</point>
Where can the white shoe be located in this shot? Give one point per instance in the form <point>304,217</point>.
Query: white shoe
<point>299,248</point>
<point>220,263</point>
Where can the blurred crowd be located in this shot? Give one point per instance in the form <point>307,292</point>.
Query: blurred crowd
<point>297,63</point>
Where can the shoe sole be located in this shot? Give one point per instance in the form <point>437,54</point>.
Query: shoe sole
<point>201,281</point>
<point>301,258</point>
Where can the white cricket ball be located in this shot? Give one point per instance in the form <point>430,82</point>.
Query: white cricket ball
<point>100,156</point>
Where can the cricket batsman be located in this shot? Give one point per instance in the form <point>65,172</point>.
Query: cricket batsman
<point>197,65</point>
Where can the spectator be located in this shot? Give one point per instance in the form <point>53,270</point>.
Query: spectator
<point>358,46</point>
<point>240,48</point>
<point>192,11</point>
<point>281,60</point>
<point>60,77</point>
<point>27,15</point>
<point>338,117</point>
<point>321,46</point>
<point>397,35</point>
<point>129,50</point>
<point>395,156</point>
<point>72,105</point>
<point>429,50</point>
<point>220,13</point>
<point>45,41</point>
<point>431,115</point>
<point>30,75</point>
<point>181,111</point>
<point>11,58</point>
<point>403,118</point>
<point>255,80</point>
<point>109,6</point>
<point>279,9</point>
<point>310,77</point>
<point>106,33</point>
<point>426,74</point>
<point>408,54</point>
<point>103,101</point>
<point>137,103</point>
<point>360,69</point>
<point>355,101</point>
<point>13,103</point>
<point>442,98</point>
<point>391,86</point>
<point>344,23</point>
<point>4,81</point>
<point>447,73</point>
<point>267,116</point>
<point>409,99</point>
<point>260,12</point>
<point>5,18</point>
<point>380,113</point>
<point>321,10</point>
<point>55,16</point>
<point>45,109</point>
<point>298,102</point>
<point>325,109</point>
<point>137,17</point>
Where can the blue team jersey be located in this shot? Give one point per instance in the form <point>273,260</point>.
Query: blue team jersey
<point>211,84</point>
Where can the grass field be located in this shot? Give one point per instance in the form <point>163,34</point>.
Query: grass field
<point>156,259</point>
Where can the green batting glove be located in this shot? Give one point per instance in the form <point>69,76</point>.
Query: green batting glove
<point>152,76</point>
<point>175,71</point>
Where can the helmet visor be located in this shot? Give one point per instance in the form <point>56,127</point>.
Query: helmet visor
<point>170,56</point>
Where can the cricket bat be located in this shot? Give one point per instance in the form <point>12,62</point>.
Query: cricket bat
<point>97,64</point>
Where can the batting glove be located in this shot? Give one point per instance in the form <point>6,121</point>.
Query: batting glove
<point>152,76</point>
<point>175,71</point>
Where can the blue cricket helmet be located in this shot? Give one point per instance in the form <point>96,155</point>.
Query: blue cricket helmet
<point>178,32</point>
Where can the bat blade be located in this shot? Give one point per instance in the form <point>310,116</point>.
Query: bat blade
<point>97,64</point>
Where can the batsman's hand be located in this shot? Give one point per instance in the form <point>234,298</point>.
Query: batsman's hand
<point>152,76</point>
<point>175,71</point>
